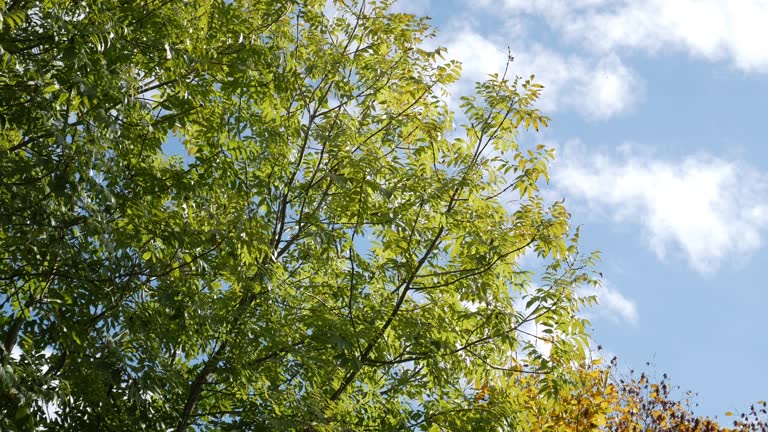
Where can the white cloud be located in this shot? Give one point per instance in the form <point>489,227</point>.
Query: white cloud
<point>416,7</point>
<point>16,352</point>
<point>553,8</point>
<point>598,88</point>
<point>715,30</point>
<point>532,333</point>
<point>708,208</point>
<point>611,304</point>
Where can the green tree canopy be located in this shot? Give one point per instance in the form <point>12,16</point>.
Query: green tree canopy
<point>331,253</point>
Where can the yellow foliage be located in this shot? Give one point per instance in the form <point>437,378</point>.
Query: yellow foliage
<point>597,400</point>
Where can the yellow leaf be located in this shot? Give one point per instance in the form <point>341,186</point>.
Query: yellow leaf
<point>728,413</point>
<point>482,393</point>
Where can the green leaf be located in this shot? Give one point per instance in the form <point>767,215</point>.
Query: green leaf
<point>253,209</point>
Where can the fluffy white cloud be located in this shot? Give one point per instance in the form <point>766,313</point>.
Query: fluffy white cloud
<point>732,30</point>
<point>553,8</point>
<point>597,88</point>
<point>533,334</point>
<point>416,7</point>
<point>708,208</point>
<point>611,304</point>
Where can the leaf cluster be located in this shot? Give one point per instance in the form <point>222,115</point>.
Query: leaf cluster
<point>252,215</point>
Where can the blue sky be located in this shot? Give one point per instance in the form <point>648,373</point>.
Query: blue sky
<point>658,110</point>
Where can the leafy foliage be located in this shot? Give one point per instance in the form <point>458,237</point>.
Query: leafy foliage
<point>642,403</point>
<point>331,253</point>
<point>583,402</point>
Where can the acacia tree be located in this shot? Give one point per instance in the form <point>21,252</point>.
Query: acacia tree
<point>330,253</point>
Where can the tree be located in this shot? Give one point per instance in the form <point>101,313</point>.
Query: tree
<point>644,403</point>
<point>331,253</point>
<point>584,403</point>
